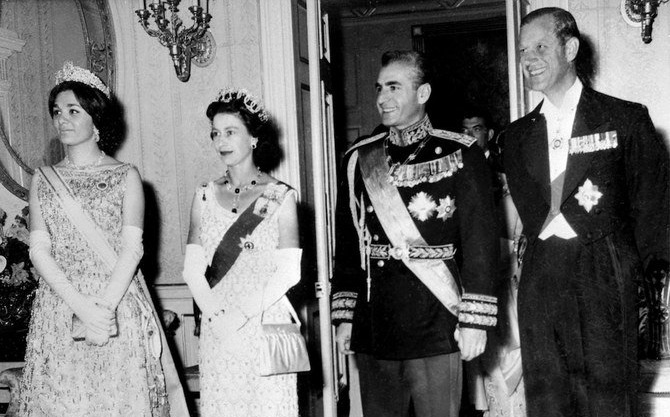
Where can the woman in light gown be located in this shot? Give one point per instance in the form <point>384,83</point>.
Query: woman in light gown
<point>94,347</point>
<point>244,228</point>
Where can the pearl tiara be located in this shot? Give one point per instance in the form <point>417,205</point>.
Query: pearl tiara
<point>250,102</point>
<point>71,72</point>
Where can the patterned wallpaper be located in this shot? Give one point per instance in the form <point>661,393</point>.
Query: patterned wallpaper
<point>168,130</point>
<point>52,36</point>
<point>627,67</point>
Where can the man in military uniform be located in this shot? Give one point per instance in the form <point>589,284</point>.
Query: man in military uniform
<point>589,177</point>
<point>416,252</point>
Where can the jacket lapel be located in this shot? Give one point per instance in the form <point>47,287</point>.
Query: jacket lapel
<point>588,119</point>
<point>535,153</point>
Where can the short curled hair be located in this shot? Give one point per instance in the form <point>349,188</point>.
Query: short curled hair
<point>102,109</point>
<point>422,69</point>
<point>268,153</point>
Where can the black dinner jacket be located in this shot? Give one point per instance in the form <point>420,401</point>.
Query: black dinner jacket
<point>633,177</point>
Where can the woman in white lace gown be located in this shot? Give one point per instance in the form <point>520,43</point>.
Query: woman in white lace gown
<point>94,345</point>
<point>244,228</point>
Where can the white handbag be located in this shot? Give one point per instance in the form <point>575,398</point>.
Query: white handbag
<point>283,349</point>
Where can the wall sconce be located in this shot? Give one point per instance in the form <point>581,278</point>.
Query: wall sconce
<point>183,43</point>
<point>641,13</point>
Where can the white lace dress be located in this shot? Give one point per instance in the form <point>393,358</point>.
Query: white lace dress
<point>229,380</point>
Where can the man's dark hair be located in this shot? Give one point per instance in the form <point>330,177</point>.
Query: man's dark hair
<point>565,28</point>
<point>565,25</point>
<point>470,110</point>
<point>422,69</point>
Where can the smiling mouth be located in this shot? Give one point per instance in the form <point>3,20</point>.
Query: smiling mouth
<point>535,72</point>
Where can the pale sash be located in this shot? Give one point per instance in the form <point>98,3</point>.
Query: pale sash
<point>400,228</point>
<point>100,245</point>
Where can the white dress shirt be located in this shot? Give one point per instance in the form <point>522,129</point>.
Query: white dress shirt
<point>559,130</point>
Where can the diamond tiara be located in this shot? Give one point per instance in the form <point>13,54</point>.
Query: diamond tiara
<point>71,72</point>
<point>250,102</point>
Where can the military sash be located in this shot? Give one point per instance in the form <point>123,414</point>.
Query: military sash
<point>400,228</point>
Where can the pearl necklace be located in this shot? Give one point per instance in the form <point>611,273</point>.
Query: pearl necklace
<point>70,164</point>
<point>239,190</point>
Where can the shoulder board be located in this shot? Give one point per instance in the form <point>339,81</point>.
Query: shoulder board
<point>461,138</point>
<point>367,141</point>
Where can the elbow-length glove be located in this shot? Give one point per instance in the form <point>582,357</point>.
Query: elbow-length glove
<point>83,306</point>
<point>126,265</point>
<point>195,266</point>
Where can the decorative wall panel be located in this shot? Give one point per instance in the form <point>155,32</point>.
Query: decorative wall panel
<point>168,130</point>
<point>626,67</point>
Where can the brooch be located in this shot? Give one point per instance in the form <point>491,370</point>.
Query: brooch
<point>588,195</point>
<point>246,243</point>
<point>102,185</point>
<point>422,206</point>
<point>446,208</point>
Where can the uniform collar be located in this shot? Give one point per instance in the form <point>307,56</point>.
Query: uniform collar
<point>411,134</point>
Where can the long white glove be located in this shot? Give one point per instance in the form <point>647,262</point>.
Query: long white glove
<point>124,270</point>
<point>195,266</point>
<point>286,276</point>
<point>88,308</point>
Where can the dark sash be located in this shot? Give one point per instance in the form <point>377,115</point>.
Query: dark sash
<point>229,247</point>
<point>400,227</point>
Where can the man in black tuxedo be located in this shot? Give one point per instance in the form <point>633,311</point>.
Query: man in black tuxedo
<point>589,177</point>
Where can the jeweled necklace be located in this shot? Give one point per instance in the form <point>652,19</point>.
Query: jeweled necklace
<point>393,167</point>
<point>239,190</point>
<point>70,164</point>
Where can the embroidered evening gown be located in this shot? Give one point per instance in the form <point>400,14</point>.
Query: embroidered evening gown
<point>229,380</point>
<point>63,377</point>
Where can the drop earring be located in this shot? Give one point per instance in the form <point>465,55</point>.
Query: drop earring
<point>253,146</point>
<point>96,134</point>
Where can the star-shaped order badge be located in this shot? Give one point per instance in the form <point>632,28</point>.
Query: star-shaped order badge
<point>246,243</point>
<point>446,208</point>
<point>422,206</point>
<point>588,195</point>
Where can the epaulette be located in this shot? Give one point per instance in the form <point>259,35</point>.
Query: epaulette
<point>366,141</point>
<point>461,138</point>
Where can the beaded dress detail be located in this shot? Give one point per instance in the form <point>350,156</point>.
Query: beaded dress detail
<point>230,384</point>
<point>63,377</point>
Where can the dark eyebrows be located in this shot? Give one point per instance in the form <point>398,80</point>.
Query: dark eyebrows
<point>388,84</point>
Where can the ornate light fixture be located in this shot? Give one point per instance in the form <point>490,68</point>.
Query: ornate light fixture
<point>641,13</point>
<point>184,44</point>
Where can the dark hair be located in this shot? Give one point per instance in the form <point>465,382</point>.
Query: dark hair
<point>268,153</point>
<point>422,69</point>
<point>102,109</point>
<point>565,27</point>
<point>470,110</point>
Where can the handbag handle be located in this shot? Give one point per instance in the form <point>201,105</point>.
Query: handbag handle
<point>284,300</point>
